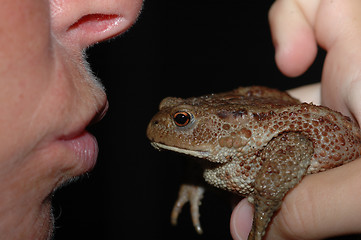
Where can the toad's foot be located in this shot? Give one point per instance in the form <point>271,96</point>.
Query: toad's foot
<point>286,159</point>
<point>192,194</point>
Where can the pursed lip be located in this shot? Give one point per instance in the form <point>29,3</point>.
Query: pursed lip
<point>94,118</point>
<point>82,144</point>
<point>85,149</point>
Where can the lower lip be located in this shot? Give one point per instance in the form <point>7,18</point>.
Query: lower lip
<point>85,147</point>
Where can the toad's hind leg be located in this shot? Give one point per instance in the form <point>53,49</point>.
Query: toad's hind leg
<point>285,161</point>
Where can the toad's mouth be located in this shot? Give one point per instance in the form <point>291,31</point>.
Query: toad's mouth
<point>194,153</point>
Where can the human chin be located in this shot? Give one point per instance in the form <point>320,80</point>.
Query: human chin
<point>58,164</point>
<point>27,220</point>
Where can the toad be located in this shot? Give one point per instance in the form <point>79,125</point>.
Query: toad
<point>259,143</point>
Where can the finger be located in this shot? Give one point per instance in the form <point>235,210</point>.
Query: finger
<point>293,38</point>
<point>321,206</point>
<point>309,93</point>
<point>353,99</point>
<point>338,30</point>
<point>341,82</point>
<point>241,220</point>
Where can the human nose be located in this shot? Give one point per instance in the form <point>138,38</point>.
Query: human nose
<point>81,23</point>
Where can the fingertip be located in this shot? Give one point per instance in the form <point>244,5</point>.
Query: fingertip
<point>241,220</point>
<point>296,53</point>
<point>293,38</point>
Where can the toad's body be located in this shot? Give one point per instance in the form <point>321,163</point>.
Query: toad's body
<point>261,142</point>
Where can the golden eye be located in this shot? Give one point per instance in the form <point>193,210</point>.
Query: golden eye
<point>181,119</point>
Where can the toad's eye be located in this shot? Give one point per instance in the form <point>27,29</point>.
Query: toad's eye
<point>181,119</point>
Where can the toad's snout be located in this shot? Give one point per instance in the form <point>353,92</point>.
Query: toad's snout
<point>158,128</point>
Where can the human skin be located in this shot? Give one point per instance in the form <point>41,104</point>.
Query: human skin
<point>47,98</point>
<point>324,204</point>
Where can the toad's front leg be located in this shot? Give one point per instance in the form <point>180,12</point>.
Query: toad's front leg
<point>192,194</point>
<point>285,161</point>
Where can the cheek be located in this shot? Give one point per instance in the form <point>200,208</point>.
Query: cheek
<point>20,99</point>
<point>36,111</point>
<point>25,65</point>
<point>31,105</point>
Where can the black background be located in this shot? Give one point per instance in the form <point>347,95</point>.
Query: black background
<point>177,48</point>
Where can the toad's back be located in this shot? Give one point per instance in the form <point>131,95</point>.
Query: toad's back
<point>246,119</point>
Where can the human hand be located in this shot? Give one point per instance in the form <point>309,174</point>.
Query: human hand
<point>322,205</point>
<point>325,204</point>
<point>298,26</point>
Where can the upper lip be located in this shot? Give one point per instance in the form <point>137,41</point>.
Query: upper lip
<point>99,115</point>
<point>93,118</point>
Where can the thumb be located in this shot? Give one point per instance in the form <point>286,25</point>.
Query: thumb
<point>322,205</point>
<point>241,220</point>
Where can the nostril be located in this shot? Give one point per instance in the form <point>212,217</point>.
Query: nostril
<point>96,22</point>
<point>80,24</point>
<point>94,28</point>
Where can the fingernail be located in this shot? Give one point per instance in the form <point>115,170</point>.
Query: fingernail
<point>241,220</point>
